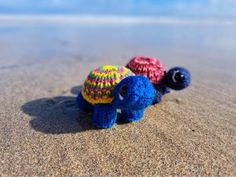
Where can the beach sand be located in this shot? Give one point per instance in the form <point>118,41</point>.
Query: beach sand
<point>42,132</point>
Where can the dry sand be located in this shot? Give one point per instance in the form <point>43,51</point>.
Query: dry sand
<point>42,133</point>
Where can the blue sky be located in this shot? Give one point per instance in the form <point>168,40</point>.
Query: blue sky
<point>193,8</point>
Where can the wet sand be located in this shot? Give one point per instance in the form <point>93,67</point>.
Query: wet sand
<point>42,133</point>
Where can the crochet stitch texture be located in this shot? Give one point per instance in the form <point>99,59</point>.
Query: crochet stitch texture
<point>147,66</point>
<point>109,88</point>
<point>100,82</point>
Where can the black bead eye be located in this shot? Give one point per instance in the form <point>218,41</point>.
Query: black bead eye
<point>123,91</point>
<point>178,77</point>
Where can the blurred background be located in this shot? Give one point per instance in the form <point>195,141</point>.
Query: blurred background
<point>45,29</point>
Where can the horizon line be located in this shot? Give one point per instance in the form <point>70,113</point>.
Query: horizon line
<point>111,19</point>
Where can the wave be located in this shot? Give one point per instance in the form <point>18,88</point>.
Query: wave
<point>98,19</point>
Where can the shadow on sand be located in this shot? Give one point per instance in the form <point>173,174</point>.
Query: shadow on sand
<point>76,89</point>
<point>58,115</point>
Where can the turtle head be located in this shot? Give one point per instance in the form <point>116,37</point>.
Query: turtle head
<point>133,92</point>
<point>178,78</point>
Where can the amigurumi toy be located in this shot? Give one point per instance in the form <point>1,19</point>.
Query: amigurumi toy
<point>109,88</point>
<point>176,78</point>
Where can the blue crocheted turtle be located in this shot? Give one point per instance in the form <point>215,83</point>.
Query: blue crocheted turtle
<point>109,88</point>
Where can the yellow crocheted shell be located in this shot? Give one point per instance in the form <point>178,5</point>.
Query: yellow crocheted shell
<point>100,83</point>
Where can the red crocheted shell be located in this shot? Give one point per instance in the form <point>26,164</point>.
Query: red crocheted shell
<point>147,66</point>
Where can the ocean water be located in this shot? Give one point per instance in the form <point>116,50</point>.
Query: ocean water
<point>37,42</point>
<point>58,29</point>
<point>156,8</point>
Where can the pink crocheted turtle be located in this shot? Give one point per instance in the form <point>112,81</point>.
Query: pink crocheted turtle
<point>148,66</point>
<point>176,78</point>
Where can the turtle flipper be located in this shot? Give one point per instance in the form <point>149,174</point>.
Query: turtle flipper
<point>132,115</point>
<point>104,116</point>
<point>163,89</point>
<point>83,104</point>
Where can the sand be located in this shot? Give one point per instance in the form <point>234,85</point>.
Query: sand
<point>42,132</point>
